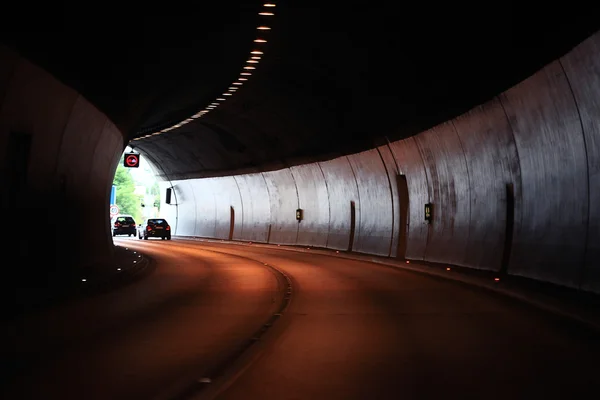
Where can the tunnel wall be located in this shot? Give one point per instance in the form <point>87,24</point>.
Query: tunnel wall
<point>58,155</point>
<point>514,185</point>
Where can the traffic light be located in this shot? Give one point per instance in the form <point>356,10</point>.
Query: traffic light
<point>131,160</point>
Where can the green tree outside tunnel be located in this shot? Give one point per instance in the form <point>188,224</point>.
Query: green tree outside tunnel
<point>127,201</point>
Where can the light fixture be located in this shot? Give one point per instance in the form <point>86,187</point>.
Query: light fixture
<point>253,59</point>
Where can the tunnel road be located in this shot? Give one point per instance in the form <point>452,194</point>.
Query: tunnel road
<point>344,329</point>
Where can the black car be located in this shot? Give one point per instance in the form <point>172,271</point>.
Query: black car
<point>123,225</point>
<point>155,227</point>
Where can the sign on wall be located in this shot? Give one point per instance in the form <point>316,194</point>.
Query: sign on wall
<point>428,212</point>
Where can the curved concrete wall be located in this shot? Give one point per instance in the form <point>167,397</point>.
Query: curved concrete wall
<point>410,164</point>
<point>582,67</point>
<point>60,212</point>
<point>550,239</point>
<point>256,207</point>
<point>342,190</point>
<point>313,198</point>
<point>492,163</point>
<point>375,221</point>
<point>448,179</point>
<point>283,199</point>
<point>539,140</point>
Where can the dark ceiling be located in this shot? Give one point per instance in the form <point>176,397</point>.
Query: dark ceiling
<point>335,78</point>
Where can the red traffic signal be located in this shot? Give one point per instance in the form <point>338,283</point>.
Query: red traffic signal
<point>131,160</point>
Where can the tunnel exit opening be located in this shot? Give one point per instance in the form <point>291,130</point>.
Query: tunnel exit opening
<point>137,192</point>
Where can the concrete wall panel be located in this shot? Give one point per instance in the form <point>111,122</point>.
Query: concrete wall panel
<point>256,207</point>
<point>341,190</point>
<point>448,179</point>
<point>312,195</point>
<point>410,163</point>
<point>186,207</point>
<point>169,211</point>
<point>60,125</point>
<point>227,196</point>
<point>492,163</point>
<point>106,157</point>
<point>283,197</point>
<point>582,67</point>
<point>391,169</point>
<point>205,208</point>
<point>33,92</point>
<point>82,140</point>
<point>374,225</point>
<point>549,242</point>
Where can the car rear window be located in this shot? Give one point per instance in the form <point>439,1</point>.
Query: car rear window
<point>126,220</point>
<point>157,222</point>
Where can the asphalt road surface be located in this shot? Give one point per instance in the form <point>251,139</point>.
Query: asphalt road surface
<point>231,321</point>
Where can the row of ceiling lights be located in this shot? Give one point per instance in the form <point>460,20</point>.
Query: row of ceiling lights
<point>255,57</point>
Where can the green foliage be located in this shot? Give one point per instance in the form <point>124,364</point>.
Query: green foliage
<point>127,201</point>
<point>155,191</point>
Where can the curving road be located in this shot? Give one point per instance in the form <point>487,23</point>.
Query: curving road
<point>347,330</point>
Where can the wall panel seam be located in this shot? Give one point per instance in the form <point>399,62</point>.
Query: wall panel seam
<point>512,132</point>
<point>468,191</point>
<point>387,173</point>
<point>356,236</point>
<point>269,227</point>
<point>587,171</point>
<point>297,202</point>
<point>241,206</point>
<point>328,205</point>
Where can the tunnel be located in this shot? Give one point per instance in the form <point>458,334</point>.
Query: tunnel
<point>446,138</point>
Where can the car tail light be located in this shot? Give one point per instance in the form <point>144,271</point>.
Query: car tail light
<point>149,228</point>
<point>168,228</point>
<point>133,225</point>
<point>117,224</point>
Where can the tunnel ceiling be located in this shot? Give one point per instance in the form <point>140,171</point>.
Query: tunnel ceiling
<point>331,81</point>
